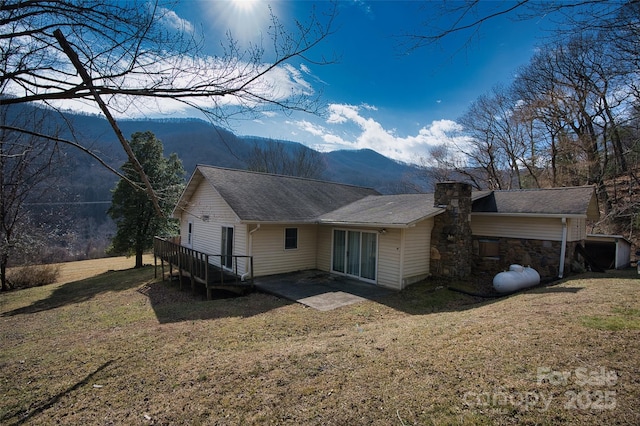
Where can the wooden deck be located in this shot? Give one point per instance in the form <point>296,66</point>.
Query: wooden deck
<point>201,268</point>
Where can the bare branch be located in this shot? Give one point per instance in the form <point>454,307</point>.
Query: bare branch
<point>130,154</point>
<point>75,145</point>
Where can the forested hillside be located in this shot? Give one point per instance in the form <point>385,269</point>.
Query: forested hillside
<point>571,116</point>
<point>73,214</point>
<point>73,211</point>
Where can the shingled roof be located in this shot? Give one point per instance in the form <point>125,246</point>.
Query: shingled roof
<point>262,197</point>
<point>577,201</point>
<point>384,210</point>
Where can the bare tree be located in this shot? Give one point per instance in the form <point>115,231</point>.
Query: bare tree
<point>574,90</point>
<point>131,54</point>
<point>280,158</point>
<point>124,54</point>
<point>467,18</point>
<point>501,140</point>
<point>27,165</point>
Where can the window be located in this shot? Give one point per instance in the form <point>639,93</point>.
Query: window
<point>489,248</point>
<point>189,233</point>
<point>290,238</point>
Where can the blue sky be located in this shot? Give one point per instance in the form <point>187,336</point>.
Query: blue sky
<point>378,96</point>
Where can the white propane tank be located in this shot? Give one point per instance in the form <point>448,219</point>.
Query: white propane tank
<point>516,278</point>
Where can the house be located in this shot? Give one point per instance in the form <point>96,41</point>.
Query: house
<point>289,224</point>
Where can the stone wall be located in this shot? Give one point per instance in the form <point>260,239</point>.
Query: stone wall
<point>451,239</point>
<point>543,256</point>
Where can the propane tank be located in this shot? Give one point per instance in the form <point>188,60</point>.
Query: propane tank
<point>516,278</point>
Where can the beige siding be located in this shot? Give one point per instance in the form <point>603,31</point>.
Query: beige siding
<point>324,248</point>
<point>390,258</point>
<point>417,246</point>
<point>576,229</point>
<point>207,233</point>
<point>549,229</point>
<point>270,256</point>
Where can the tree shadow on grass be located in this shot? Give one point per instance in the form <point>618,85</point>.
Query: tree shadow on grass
<point>54,399</point>
<point>174,303</point>
<point>441,295</point>
<point>83,290</point>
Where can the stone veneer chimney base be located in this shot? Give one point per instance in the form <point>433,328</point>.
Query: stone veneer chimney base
<point>451,240</point>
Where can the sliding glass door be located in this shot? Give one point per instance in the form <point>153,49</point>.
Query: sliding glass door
<point>355,253</point>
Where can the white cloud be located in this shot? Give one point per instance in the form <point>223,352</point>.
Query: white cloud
<point>305,69</point>
<point>312,128</point>
<point>366,132</point>
<point>279,84</point>
<point>173,21</point>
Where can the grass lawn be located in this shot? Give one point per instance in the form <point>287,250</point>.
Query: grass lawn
<point>119,347</point>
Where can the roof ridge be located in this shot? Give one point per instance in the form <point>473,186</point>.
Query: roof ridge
<point>283,176</point>
<point>555,188</point>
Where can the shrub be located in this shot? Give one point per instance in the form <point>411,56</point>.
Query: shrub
<point>33,276</point>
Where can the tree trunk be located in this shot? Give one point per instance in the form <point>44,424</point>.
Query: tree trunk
<point>138,259</point>
<point>3,275</point>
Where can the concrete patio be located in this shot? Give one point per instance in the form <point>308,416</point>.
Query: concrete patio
<point>320,290</point>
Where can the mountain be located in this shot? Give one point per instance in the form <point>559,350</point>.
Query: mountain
<point>75,211</point>
<point>199,142</point>
<point>368,168</point>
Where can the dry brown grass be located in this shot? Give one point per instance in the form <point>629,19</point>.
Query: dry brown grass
<point>75,271</point>
<point>121,348</point>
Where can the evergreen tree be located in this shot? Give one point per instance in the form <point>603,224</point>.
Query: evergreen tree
<point>132,210</point>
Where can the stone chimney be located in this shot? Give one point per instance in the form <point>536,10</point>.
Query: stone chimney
<point>451,235</point>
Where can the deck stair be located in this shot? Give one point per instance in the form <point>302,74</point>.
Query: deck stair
<point>202,268</point>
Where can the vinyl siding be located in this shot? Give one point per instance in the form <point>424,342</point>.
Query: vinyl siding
<point>389,258</point>
<point>549,229</point>
<point>270,256</point>
<point>323,257</point>
<point>576,229</point>
<point>207,235</point>
<point>417,245</point>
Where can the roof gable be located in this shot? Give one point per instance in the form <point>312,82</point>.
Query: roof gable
<point>263,197</point>
<point>570,201</point>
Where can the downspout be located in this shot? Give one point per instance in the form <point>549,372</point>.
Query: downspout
<point>244,276</point>
<point>563,247</point>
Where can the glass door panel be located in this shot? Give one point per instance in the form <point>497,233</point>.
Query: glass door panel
<point>353,253</point>
<point>368,257</point>
<point>227,247</point>
<point>339,250</point>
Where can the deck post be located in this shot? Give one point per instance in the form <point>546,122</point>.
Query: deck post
<point>179,253</point>
<point>192,271</point>
<point>206,275</point>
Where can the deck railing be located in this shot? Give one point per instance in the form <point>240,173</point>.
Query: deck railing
<point>198,265</point>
